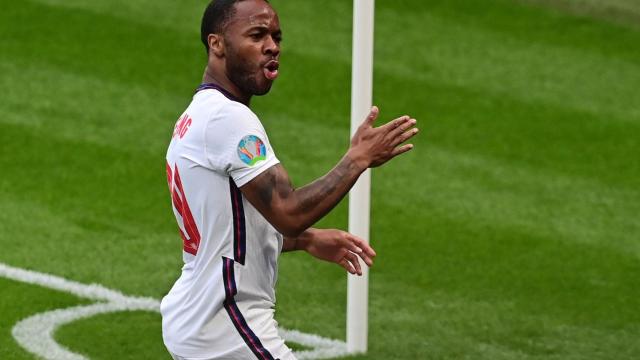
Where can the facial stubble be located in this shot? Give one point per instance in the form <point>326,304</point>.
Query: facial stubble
<point>244,74</point>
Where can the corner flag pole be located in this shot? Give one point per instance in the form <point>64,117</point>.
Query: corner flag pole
<point>361,94</point>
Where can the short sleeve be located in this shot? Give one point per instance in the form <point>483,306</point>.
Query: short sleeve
<point>236,144</point>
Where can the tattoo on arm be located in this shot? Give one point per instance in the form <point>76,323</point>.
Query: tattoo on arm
<point>274,179</point>
<point>327,185</point>
<point>293,210</point>
<point>266,187</point>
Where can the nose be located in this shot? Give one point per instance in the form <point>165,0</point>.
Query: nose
<point>271,47</point>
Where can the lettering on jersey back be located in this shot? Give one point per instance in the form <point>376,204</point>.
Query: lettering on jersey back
<point>182,125</point>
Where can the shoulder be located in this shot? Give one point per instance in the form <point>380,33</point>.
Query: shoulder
<point>230,122</point>
<point>223,108</point>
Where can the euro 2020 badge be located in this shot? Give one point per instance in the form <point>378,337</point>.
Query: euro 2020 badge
<point>251,150</point>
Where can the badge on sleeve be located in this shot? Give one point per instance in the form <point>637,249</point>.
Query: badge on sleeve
<point>251,150</point>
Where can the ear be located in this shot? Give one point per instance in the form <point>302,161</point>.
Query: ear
<point>216,44</point>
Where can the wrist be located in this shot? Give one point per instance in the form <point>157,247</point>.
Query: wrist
<point>356,159</point>
<point>293,243</point>
<point>304,240</point>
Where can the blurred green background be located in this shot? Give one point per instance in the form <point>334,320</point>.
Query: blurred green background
<point>511,231</point>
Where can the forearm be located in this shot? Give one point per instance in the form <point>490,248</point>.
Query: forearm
<point>291,211</point>
<point>311,202</point>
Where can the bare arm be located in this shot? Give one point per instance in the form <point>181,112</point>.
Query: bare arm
<point>291,211</point>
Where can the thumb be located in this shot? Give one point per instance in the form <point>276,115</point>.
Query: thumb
<point>371,118</point>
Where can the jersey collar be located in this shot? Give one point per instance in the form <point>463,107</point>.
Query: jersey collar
<point>214,86</point>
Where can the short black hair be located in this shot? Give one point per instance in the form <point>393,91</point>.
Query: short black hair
<point>215,17</point>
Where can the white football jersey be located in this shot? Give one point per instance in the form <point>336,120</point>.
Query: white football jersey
<point>222,306</point>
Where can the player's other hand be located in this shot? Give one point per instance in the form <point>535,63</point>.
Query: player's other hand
<point>374,146</point>
<point>339,247</point>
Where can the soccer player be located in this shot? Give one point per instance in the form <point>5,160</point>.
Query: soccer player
<point>235,206</point>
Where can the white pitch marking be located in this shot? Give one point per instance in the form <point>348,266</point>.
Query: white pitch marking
<point>93,291</point>
<point>323,348</point>
<point>35,333</point>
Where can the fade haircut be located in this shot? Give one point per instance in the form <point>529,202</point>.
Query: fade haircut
<point>215,18</point>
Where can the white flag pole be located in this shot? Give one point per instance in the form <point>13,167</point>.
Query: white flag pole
<point>361,94</point>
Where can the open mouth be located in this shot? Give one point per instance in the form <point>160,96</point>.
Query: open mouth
<point>271,69</point>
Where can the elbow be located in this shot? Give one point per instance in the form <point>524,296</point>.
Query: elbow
<point>291,226</point>
<point>291,231</point>
<point>288,219</point>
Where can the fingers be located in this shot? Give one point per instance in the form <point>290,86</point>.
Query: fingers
<point>351,264</point>
<point>403,128</point>
<point>376,146</point>
<point>371,118</point>
<point>365,255</point>
<point>353,260</point>
<point>361,244</point>
<point>359,248</point>
<point>396,123</point>
<point>401,149</point>
<point>362,249</point>
<point>350,249</point>
<point>347,266</point>
<point>402,137</point>
<point>401,134</point>
<point>399,131</point>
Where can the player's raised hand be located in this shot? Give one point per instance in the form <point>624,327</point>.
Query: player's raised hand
<point>374,146</point>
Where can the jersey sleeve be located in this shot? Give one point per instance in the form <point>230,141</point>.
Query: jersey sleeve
<point>236,144</point>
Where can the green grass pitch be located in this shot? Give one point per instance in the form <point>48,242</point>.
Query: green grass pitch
<point>510,232</point>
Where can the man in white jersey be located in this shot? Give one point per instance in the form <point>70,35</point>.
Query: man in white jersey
<point>235,206</point>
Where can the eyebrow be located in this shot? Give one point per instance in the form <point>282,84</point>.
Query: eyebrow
<point>263,28</point>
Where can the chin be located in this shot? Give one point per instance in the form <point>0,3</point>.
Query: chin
<point>263,91</point>
<point>260,89</point>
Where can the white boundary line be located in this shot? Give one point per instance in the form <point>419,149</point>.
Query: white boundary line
<point>35,333</point>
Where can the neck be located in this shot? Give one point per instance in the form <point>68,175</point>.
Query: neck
<point>223,81</point>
